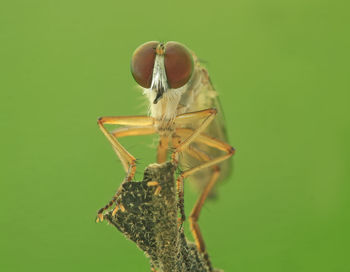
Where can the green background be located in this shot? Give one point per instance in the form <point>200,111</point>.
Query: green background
<point>282,71</point>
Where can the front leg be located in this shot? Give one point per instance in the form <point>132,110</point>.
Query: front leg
<point>143,125</point>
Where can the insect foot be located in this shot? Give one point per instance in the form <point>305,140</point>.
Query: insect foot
<point>99,217</point>
<point>155,183</point>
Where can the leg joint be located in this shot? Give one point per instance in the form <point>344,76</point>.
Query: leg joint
<point>231,150</point>
<point>213,111</point>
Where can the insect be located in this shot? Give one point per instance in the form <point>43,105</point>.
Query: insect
<point>185,113</point>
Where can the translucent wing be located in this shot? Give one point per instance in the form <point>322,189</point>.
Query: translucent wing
<point>202,95</point>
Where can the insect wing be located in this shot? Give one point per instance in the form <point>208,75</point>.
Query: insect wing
<point>205,96</point>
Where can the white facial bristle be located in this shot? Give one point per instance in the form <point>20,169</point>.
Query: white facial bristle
<point>159,79</point>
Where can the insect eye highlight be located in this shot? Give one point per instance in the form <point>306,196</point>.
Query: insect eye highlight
<point>178,64</point>
<point>142,63</point>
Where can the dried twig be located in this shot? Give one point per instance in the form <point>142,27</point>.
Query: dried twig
<point>149,219</point>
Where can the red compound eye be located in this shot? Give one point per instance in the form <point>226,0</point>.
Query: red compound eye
<point>142,63</point>
<point>178,64</point>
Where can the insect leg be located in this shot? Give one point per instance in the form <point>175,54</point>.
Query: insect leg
<point>215,143</point>
<point>209,141</point>
<point>130,131</point>
<point>183,119</point>
<point>176,140</point>
<point>197,235</point>
<point>143,126</point>
<point>127,159</point>
<point>133,131</point>
<point>162,149</point>
<point>163,142</point>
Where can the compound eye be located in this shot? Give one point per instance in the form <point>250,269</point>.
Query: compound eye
<point>142,63</point>
<point>178,64</point>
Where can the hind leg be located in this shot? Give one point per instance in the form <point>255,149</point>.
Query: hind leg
<point>207,162</point>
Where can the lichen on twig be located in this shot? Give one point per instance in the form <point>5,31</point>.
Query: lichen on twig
<point>150,220</point>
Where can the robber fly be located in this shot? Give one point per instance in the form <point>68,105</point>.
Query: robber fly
<point>185,113</point>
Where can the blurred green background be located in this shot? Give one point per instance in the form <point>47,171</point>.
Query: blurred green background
<point>282,71</point>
